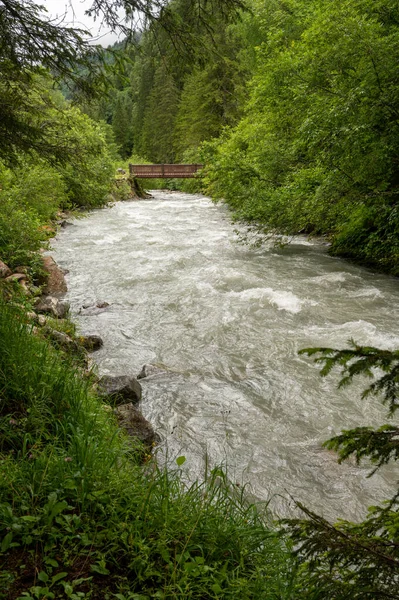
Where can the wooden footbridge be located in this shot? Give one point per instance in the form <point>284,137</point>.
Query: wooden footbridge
<point>164,171</point>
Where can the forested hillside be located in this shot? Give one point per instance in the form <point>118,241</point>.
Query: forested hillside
<point>297,103</point>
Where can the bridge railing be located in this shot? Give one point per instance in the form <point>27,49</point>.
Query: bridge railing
<point>164,171</point>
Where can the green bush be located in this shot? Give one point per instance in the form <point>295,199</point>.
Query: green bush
<point>316,150</point>
<point>21,232</point>
<point>89,167</point>
<point>39,187</point>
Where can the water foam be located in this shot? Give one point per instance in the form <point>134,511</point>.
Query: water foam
<point>282,299</point>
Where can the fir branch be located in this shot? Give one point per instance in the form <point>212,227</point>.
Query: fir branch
<point>379,445</point>
<point>363,360</point>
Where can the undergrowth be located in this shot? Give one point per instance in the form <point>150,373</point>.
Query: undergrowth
<point>81,518</point>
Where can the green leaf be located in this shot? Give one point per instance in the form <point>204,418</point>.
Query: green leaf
<point>5,544</point>
<point>51,562</point>
<point>69,484</point>
<point>57,577</point>
<point>180,460</point>
<point>216,588</point>
<point>100,568</point>
<point>43,577</point>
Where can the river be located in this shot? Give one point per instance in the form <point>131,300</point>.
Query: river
<point>226,322</point>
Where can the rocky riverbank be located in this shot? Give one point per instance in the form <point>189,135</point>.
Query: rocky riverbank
<point>48,315</point>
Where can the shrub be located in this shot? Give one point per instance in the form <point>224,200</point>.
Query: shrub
<point>21,232</point>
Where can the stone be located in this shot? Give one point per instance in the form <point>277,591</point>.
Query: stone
<point>121,389</point>
<point>16,277</point>
<point>55,284</point>
<point>25,287</point>
<point>21,269</point>
<point>149,370</point>
<point>121,171</point>
<point>52,306</point>
<point>102,304</point>
<point>136,425</point>
<point>91,342</point>
<point>62,339</point>
<point>41,320</point>
<point>64,223</point>
<point>94,309</point>
<point>4,270</point>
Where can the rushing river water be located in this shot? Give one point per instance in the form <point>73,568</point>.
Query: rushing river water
<point>226,321</point>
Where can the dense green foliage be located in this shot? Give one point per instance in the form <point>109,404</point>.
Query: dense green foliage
<point>80,514</point>
<point>293,109</point>
<point>36,185</point>
<point>31,45</point>
<point>316,151</point>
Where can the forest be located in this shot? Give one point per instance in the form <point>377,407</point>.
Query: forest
<point>292,106</point>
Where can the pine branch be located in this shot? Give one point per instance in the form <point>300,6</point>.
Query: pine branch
<point>379,445</point>
<point>363,360</point>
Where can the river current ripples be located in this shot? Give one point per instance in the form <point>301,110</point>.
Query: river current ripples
<point>226,322</point>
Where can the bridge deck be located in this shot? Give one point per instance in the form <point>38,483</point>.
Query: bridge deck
<point>164,171</point>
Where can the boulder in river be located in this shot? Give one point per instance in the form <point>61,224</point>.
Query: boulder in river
<point>120,390</point>
<point>52,306</point>
<point>132,421</point>
<point>91,342</point>
<point>149,370</point>
<point>93,309</point>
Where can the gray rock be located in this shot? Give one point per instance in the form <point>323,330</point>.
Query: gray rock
<point>34,290</point>
<point>91,342</point>
<point>52,306</point>
<point>25,288</point>
<point>93,309</point>
<point>102,304</point>
<point>4,270</point>
<point>120,390</point>
<point>149,370</point>
<point>132,421</point>
<point>62,339</point>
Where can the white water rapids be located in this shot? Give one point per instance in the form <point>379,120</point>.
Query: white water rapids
<point>227,321</point>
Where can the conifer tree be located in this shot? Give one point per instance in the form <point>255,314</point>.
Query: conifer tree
<point>356,560</point>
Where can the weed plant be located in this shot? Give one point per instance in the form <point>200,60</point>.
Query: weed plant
<point>81,518</point>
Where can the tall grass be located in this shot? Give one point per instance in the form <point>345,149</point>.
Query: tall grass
<point>79,518</point>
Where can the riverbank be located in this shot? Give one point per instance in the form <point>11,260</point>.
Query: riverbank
<point>82,518</point>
